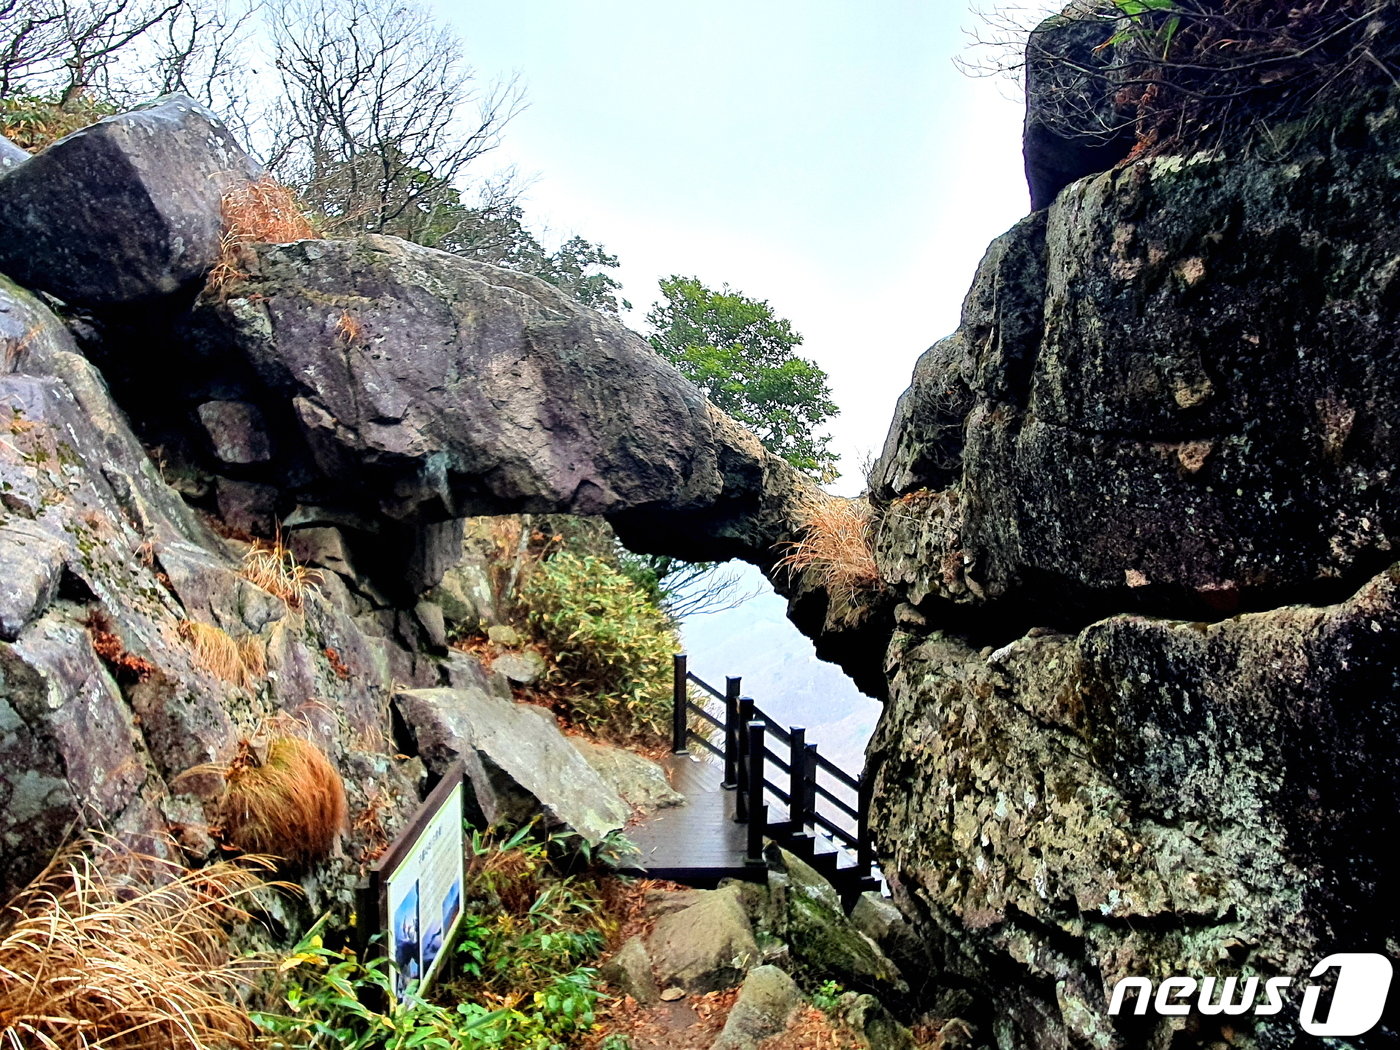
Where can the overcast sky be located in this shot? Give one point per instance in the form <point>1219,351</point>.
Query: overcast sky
<point>828,157</point>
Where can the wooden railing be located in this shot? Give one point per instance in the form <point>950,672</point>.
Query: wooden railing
<point>766,763</point>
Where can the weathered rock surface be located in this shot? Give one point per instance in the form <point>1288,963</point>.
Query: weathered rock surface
<point>103,703</point>
<point>640,782</point>
<point>767,999</point>
<point>447,388</point>
<point>1237,456</point>
<point>522,668</point>
<point>10,154</point>
<point>1183,793</point>
<point>805,911</point>
<point>1136,520</point>
<point>518,762</point>
<point>629,970</point>
<point>1072,126</point>
<point>125,210</point>
<point>877,1028</point>
<point>705,946</point>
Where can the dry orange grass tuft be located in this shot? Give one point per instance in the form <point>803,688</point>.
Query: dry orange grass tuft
<point>275,569</point>
<point>348,328</point>
<point>260,211</point>
<point>126,667</point>
<point>287,803</point>
<point>111,949</point>
<point>835,546</point>
<point>240,662</point>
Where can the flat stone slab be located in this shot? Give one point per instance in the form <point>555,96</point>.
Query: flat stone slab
<point>517,760</point>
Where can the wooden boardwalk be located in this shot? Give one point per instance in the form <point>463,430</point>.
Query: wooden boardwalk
<point>788,793</point>
<point>698,842</point>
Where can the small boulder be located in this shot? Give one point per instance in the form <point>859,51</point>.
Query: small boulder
<point>764,1007</point>
<point>522,667</point>
<point>11,155</point>
<point>504,635</point>
<point>434,626</point>
<point>640,781</point>
<point>464,593</point>
<point>875,1027</point>
<point>129,209</point>
<point>706,946</point>
<point>805,911</point>
<point>630,971</point>
<point>236,431</point>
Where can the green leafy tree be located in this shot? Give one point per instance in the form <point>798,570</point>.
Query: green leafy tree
<point>742,356</point>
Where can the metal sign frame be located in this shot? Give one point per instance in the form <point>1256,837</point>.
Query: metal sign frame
<point>415,890</point>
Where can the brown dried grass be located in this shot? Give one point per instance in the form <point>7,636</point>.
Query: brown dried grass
<point>273,567</point>
<point>835,547</point>
<point>260,211</point>
<point>242,662</point>
<point>287,802</point>
<point>126,667</point>
<point>112,949</point>
<point>349,329</point>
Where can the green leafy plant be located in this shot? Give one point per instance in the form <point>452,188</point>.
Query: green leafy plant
<point>517,977</point>
<point>34,122</point>
<point>827,997</point>
<point>611,647</point>
<point>1157,38</point>
<point>326,994</point>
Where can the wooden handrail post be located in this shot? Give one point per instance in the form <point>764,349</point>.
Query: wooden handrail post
<point>679,703</point>
<point>809,800</point>
<point>758,810</point>
<point>742,760</point>
<point>865,847</point>
<point>797,782</point>
<point>731,732</point>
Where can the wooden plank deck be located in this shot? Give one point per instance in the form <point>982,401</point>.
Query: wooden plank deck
<point>698,842</point>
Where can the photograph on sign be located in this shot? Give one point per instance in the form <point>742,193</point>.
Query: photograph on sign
<point>423,890</point>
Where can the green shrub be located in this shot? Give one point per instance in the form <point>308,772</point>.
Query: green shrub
<point>517,974</point>
<point>611,646</point>
<point>326,995</point>
<point>34,123</point>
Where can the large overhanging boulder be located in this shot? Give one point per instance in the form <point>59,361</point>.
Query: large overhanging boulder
<point>1073,127</point>
<point>126,210</point>
<point>375,380</point>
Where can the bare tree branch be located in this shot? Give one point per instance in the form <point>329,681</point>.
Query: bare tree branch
<point>385,117</point>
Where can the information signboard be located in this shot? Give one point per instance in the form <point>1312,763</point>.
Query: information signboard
<point>417,886</point>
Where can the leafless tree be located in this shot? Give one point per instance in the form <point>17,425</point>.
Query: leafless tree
<point>199,50</point>
<point>382,116</point>
<point>65,47</point>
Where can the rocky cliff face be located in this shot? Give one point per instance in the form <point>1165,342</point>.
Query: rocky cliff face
<point>357,400</point>
<point>1139,621</point>
<point>1136,519</point>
